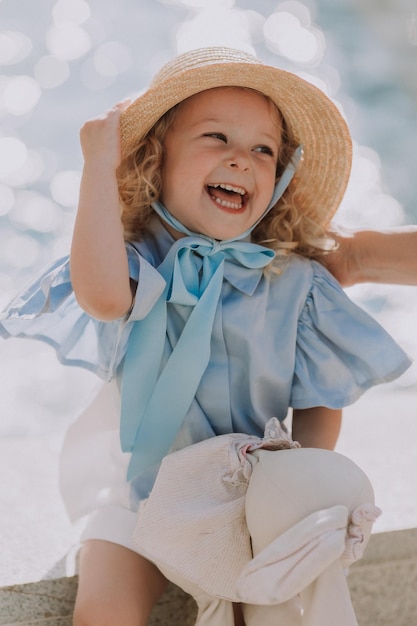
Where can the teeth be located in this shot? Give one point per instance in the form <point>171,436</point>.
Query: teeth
<point>227,187</point>
<point>230,205</point>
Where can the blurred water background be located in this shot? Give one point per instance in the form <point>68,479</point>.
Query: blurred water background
<point>63,61</point>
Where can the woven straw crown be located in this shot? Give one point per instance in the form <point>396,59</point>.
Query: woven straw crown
<point>313,120</point>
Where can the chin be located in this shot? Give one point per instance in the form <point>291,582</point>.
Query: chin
<point>225,233</point>
<point>224,236</point>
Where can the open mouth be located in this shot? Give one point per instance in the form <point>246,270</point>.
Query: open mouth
<point>228,196</point>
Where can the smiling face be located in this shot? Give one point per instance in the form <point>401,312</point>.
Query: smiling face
<point>220,159</point>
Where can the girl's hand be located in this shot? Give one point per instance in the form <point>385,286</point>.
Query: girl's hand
<point>100,137</point>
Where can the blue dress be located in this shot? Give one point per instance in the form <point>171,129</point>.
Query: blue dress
<point>278,341</point>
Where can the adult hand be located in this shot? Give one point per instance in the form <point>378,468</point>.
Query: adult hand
<point>374,256</point>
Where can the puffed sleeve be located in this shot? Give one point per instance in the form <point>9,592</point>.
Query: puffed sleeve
<point>341,350</point>
<point>47,310</point>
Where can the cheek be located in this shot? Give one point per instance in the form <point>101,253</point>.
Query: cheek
<point>177,169</point>
<point>171,176</point>
<point>178,188</point>
<point>268,178</point>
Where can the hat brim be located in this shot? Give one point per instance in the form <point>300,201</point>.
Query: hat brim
<point>312,118</point>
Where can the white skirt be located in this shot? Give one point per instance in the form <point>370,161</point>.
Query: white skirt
<point>93,472</point>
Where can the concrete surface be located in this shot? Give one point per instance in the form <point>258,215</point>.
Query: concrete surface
<point>383,584</point>
<point>50,603</point>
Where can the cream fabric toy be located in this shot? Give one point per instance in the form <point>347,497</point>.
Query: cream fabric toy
<point>263,522</point>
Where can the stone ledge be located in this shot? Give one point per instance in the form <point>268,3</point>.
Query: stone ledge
<point>50,603</point>
<point>382,584</point>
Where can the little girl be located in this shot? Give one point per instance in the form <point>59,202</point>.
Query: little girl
<point>193,291</point>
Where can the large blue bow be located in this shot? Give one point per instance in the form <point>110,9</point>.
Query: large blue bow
<point>155,403</point>
<point>156,399</point>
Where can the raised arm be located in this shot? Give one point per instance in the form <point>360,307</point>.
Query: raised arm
<point>99,265</point>
<point>388,256</point>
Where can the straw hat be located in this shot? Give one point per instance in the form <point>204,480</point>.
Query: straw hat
<point>313,120</point>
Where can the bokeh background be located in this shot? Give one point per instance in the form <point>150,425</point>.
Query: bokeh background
<point>64,61</point>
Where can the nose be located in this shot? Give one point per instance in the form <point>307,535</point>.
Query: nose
<point>238,159</point>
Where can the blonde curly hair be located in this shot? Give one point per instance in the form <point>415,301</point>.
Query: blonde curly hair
<point>286,228</point>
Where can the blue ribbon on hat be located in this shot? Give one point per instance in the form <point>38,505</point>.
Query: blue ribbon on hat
<point>156,398</point>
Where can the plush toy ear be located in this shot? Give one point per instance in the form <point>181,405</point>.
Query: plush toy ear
<point>296,558</point>
<point>325,602</point>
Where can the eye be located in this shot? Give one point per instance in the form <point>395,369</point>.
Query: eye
<point>265,150</point>
<point>219,136</point>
